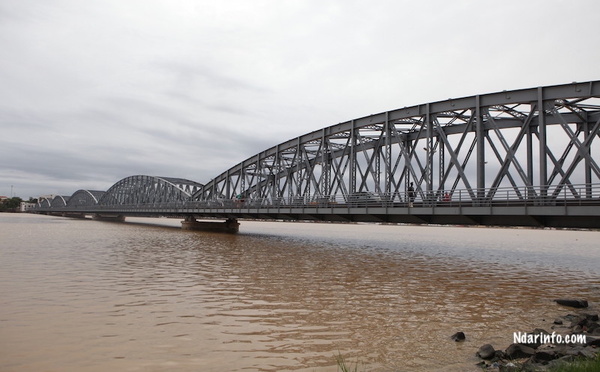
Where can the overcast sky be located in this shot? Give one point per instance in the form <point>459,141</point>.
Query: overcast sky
<point>92,91</point>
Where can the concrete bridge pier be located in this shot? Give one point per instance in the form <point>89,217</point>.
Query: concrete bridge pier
<point>229,226</point>
<point>74,215</point>
<point>108,217</point>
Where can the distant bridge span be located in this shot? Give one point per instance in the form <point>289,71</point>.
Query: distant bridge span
<point>520,157</point>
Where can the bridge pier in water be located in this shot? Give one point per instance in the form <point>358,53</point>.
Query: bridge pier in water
<point>108,217</point>
<point>73,215</point>
<point>229,226</point>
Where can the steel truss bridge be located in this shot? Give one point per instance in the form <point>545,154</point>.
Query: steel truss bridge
<point>522,157</point>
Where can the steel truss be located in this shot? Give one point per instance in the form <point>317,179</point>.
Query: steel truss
<point>144,190</point>
<point>84,198</point>
<point>44,203</point>
<point>59,201</point>
<point>539,143</point>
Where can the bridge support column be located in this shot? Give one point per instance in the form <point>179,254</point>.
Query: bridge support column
<point>74,215</point>
<point>229,226</point>
<point>108,217</point>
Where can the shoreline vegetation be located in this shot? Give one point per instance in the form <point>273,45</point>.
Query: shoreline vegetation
<point>539,350</point>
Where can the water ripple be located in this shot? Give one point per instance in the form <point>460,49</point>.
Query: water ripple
<point>95,296</point>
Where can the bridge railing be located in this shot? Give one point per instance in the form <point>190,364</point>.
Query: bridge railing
<point>569,195</point>
<point>582,194</point>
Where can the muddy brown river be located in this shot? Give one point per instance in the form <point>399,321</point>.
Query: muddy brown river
<point>83,295</point>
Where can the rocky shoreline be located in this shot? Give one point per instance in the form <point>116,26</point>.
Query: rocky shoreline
<point>572,336</point>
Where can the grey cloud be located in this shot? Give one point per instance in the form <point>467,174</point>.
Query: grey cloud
<point>95,91</point>
<point>185,73</point>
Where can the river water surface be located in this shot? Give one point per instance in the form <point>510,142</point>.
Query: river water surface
<point>83,295</point>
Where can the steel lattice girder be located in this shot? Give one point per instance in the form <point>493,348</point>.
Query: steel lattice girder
<point>59,201</point>
<point>141,190</point>
<point>540,136</point>
<point>44,203</point>
<point>84,198</point>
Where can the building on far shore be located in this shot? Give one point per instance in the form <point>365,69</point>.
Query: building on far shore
<point>26,206</point>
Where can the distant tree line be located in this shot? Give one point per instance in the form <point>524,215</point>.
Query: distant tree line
<point>13,204</point>
<point>10,204</point>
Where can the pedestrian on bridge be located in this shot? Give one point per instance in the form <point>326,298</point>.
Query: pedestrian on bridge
<point>411,195</point>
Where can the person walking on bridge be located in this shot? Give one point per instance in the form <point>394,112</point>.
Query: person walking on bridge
<point>411,195</point>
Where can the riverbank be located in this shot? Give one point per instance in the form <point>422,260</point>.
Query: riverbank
<point>570,339</point>
<point>571,345</point>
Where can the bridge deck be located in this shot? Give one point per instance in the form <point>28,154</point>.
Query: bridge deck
<point>566,215</point>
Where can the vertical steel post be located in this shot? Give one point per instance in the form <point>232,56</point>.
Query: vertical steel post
<point>377,155</point>
<point>258,178</point>
<point>388,155</point>
<point>228,186</point>
<point>480,150</point>
<point>429,149</point>
<point>587,164</point>
<point>352,180</point>
<point>408,145</point>
<point>529,134</point>
<point>299,177</point>
<point>543,151</point>
<point>243,177</point>
<point>441,164</point>
<point>213,189</point>
<point>325,169</point>
<point>275,172</point>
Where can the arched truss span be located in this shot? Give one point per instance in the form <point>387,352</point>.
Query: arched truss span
<point>85,198</point>
<point>59,201</point>
<point>140,190</point>
<point>538,142</point>
<point>44,203</point>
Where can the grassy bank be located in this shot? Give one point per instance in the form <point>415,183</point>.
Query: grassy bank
<point>584,365</point>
